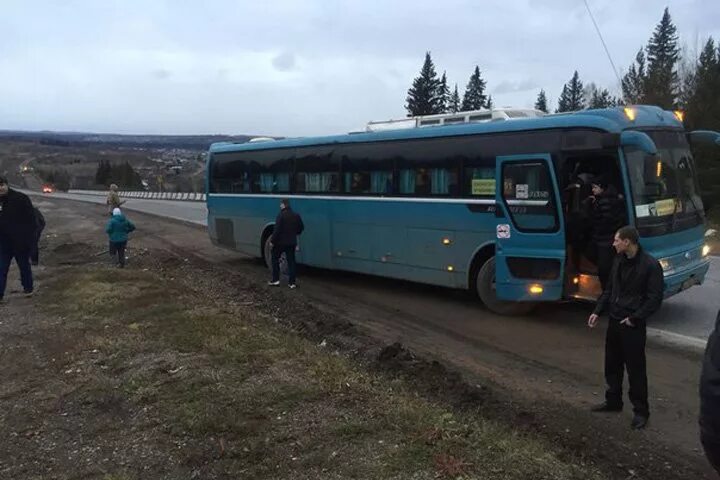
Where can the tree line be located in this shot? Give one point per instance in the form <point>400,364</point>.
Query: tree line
<point>122,174</point>
<point>659,75</point>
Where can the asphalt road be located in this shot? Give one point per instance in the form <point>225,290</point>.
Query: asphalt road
<point>686,319</point>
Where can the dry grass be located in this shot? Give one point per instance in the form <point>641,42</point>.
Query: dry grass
<point>264,402</point>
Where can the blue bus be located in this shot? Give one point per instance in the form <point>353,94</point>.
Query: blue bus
<point>493,207</point>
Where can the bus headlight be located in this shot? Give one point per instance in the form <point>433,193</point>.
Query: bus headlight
<point>665,264</point>
<point>706,250</point>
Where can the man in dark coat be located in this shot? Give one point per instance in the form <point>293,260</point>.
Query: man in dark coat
<point>710,398</point>
<point>607,215</point>
<point>40,226</point>
<point>17,235</point>
<point>288,225</point>
<point>634,292</point>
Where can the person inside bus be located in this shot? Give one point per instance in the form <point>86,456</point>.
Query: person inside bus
<point>607,214</point>
<point>422,185</point>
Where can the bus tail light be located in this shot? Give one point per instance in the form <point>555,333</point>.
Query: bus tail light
<point>680,115</point>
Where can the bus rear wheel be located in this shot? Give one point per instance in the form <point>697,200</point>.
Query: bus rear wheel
<point>485,286</point>
<point>267,257</point>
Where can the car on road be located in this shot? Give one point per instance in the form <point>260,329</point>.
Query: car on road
<point>47,189</point>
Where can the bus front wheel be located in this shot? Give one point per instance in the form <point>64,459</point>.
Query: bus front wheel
<point>485,286</point>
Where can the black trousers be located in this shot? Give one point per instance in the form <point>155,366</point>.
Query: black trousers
<point>711,445</point>
<point>625,349</point>
<point>118,248</point>
<point>605,257</point>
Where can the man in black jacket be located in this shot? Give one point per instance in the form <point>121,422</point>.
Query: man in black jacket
<point>633,293</point>
<point>40,226</point>
<point>710,398</point>
<point>288,225</point>
<point>17,235</point>
<point>607,215</point>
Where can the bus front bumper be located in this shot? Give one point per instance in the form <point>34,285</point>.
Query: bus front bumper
<point>676,282</point>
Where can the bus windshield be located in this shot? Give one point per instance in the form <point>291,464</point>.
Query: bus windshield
<point>664,187</point>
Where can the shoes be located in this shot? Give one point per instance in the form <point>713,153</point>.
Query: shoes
<point>28,293</point>
<point>274,284</point>
<point>639,422</point>
<point>606,408</point>
<point>292,286</point>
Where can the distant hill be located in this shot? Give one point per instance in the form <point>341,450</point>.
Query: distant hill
<point>76,139</point>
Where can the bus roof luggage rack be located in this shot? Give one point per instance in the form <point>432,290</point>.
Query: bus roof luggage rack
<point>474,116</point>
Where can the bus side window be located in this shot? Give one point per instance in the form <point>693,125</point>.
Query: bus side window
<point>317,170</point>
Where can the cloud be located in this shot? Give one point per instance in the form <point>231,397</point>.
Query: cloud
<point>161,74</point>
<point>300,68</point>
<point>515,86</point>
<point>285,62</point>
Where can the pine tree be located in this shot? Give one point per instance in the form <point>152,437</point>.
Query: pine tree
<point>454,103</point>
<point>489,103</point>
<point>602,99</point>
<point>703,90</point>
<point>474,98</point>
<point>443,95</point>
<point>541,102</point>
<point>571,98</point>
<point>102,176</point>
<point>422,98</point>
<point>633,82</point>
<point>661,85</point>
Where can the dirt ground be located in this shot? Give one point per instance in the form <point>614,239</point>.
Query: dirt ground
<point>536,379</point>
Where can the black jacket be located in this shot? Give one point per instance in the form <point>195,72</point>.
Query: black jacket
<point>607,214</point>
<point>39,221</point>
<point>288,225</point>
<point>634,290</point>
<point>17,222</point>
<point>710,386</point>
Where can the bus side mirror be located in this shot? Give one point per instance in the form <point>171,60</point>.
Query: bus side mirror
<point>704,138</point>
<point>639,140</point>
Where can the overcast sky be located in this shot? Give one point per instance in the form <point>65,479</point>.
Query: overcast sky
<point>307,67</point>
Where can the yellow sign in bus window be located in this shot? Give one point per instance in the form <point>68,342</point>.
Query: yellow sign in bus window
<point>483,186</point>
<point>665,207</point>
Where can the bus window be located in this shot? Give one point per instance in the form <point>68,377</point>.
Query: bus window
<point>429,181</point>
<point>356,182</point>
<point>528,194</point>
<point>317,170</point>
<point>274,182</point>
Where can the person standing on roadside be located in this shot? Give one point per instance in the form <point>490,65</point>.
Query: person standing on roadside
<point>118,228</point>
<point>17,236</point>
<point>288,225</point>
<point>40,226</point>
<point>710,398</point>
<point>113,199</point>
<point>633,293</point>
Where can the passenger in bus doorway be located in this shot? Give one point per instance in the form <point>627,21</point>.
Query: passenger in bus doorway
<point>607,214</point>
<point>633,293</point>
<point>288,225</point>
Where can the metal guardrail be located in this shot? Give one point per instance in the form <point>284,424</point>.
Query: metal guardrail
<point>184,196</point>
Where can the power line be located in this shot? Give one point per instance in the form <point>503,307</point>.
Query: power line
<point>597,29</point>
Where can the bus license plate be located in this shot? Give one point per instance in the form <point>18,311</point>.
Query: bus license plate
<point>688,283</point>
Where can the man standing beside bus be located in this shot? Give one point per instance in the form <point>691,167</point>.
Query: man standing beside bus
<point>288,225</point>
<point>633,293</point>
